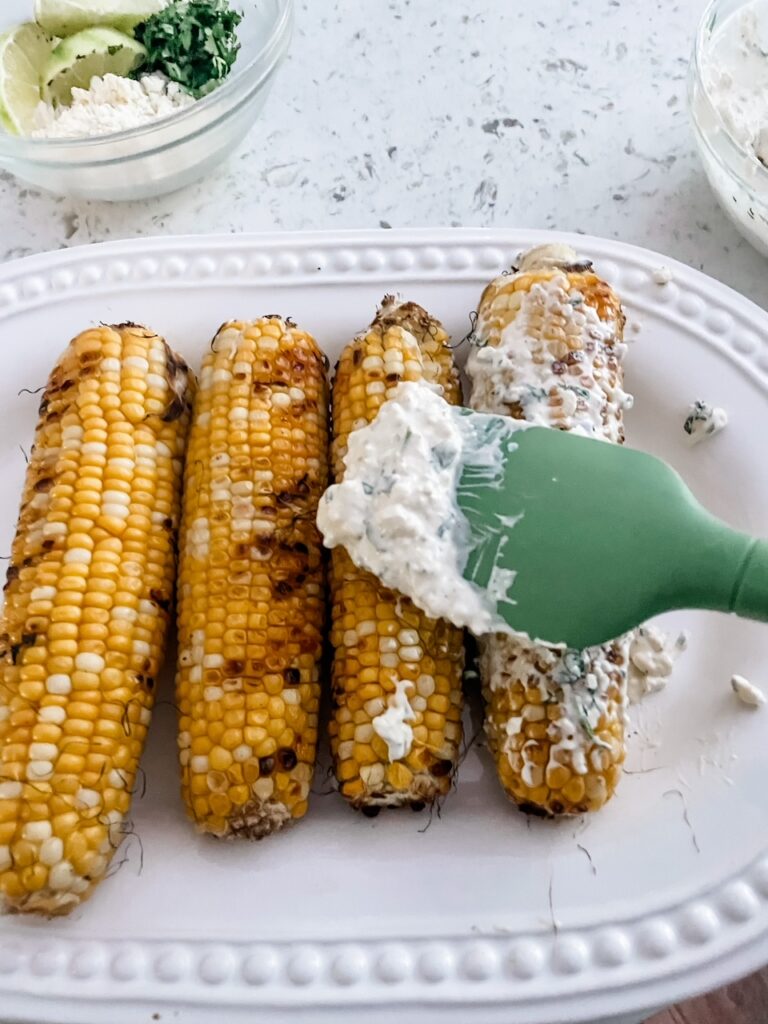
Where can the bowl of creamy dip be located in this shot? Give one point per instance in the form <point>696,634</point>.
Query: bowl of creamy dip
<point>177,142</point>
<point>728,101</point>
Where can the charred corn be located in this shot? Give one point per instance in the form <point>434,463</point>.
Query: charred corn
<point>86,611</point>
<point>251,606</point>
<point>388,655</point>
<point>548,347</point>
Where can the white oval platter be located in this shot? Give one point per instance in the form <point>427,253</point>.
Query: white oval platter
<point>484,914</point>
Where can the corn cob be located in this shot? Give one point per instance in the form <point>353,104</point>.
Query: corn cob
<point>86,610</point>
<point>548,350</point>
<point>384,647</point>
<point>251,610</point>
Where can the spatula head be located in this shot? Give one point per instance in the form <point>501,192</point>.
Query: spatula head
<point>603,537</point>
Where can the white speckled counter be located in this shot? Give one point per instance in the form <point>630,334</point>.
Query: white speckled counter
<point>409,113</point>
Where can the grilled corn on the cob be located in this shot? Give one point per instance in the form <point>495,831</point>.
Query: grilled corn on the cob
<point>548,350</point>
<point>86,610</point>
<point>387,653</point>
<point>251,589</point>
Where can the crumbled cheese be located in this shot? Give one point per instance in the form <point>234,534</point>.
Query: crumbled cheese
<point>703,421</point>
<point>662,275</point>
<point>747,692</point>
<point>111,104</point>
<point>652,657</point>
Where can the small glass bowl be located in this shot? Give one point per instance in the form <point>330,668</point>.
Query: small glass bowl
<point>737,177</point>
<point>170,153</point>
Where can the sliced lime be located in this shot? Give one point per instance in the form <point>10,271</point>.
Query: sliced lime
<point>95,51</point>
<point>66,17</point>
<point>24,52</point>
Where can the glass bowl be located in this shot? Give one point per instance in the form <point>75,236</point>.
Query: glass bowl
<point>170,153</point>
<point>737,177</point>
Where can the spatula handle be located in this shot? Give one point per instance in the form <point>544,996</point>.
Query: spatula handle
<point>750,595</point>
<point>716,567</point>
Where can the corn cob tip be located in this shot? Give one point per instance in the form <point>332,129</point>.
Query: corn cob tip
<point>552,255</point>
<point>397,312</point>
<point>253,822</point>
<point>43,904</point>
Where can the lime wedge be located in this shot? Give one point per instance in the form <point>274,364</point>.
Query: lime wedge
<point>66,17</point>
<point>95,51</point>
<point>24,52</point>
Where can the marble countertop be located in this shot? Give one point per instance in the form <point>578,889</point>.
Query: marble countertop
<point>393,113</point>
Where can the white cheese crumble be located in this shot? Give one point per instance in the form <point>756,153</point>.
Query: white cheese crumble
<point>747,692</point>
<point>111,104</point>
<point>703,421</point>
<point>652,657</point>
<point>662,275</point>
<point>392,725</point>
<point>396,510</point>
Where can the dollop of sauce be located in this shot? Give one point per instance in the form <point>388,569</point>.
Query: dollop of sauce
<point>747,692</point>
<point>703,421</point>
<point>735,75</point>
<point>392,725</point>
<point>652,657</point>
<point>396,511</point>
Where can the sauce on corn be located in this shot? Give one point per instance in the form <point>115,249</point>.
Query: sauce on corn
<point>548,349</point>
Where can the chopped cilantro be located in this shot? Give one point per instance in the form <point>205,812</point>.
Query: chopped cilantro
<point>700,413</point>
<point>443,454</point>
<point>192,42</point>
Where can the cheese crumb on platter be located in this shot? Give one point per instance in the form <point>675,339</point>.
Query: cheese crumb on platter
<point>747,692</point>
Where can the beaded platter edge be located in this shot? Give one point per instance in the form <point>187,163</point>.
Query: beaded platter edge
<point>543,969</point>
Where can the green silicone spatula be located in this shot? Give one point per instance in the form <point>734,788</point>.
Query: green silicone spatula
<point>601,538</point>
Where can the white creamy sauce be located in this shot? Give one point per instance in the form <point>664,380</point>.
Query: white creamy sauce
<point>652,657</point>
<point>703,421</point>
<point>578,680</point>
<point>111,104</point>
<point>392,725</point>
<point>519,372</point>
<point>396,510</point>
<point>747,692</point>
<point>735,75</point>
